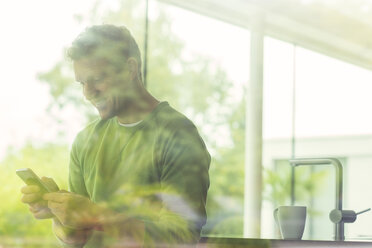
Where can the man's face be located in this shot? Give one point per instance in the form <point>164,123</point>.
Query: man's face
<point>103,86</point>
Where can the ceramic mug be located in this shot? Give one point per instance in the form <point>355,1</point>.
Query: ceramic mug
<point>291,221</point>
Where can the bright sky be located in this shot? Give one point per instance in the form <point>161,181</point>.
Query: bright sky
<point>33,34</point>
<point>334,98</point>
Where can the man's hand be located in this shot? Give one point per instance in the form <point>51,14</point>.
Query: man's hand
<point>33,197</point>
<point>73,210</point>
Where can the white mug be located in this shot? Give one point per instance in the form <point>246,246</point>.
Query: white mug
<point>291,221</point>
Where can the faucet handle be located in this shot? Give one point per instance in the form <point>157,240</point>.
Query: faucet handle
<point>345,216</point>
<point>361,212</point>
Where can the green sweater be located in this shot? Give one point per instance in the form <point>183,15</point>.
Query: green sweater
<point>156,171</point>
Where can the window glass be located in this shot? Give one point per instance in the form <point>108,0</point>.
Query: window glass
<point>332,102</point>
<point>42,107</point>
<point>204,70</point>
<point>313,106</point>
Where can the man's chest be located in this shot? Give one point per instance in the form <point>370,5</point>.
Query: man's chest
<point>120,163</point>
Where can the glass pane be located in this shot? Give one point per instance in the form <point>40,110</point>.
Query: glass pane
<point>204,70</point>
<point>42,107</point>
<point>331,121</point>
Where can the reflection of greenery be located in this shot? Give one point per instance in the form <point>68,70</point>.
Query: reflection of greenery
<point>158,208</point>
<point>48,160</point>
<point>278,183</point>
<point>226,195</point>
<point>228,227</point>
<point>196,86</point>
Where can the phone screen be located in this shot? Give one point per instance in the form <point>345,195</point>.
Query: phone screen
<point>30,178</point>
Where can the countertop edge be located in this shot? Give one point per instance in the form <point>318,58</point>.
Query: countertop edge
<point>278,243</point>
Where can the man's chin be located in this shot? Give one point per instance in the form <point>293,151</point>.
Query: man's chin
<point>105,116</point>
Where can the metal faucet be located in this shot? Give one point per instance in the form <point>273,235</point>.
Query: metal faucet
<point>339,226</point>
<point>337,215</point>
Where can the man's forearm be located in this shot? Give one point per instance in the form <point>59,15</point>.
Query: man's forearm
<point>115,225</point>
<point>124,228</point>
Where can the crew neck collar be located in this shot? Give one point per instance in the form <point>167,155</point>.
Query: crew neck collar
<point>129,124</point>
<point>145,120</point>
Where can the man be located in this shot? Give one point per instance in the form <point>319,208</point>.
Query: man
<point>138,176</point>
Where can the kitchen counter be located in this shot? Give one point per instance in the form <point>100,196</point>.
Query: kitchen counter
<point>277,243</point>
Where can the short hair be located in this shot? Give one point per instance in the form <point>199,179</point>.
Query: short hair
<point>109,42</point>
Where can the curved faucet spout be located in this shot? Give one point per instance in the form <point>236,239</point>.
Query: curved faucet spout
<point>339,227</point>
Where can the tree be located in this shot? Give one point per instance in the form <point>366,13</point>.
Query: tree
<point>196,86</point>
<point>48,159</point>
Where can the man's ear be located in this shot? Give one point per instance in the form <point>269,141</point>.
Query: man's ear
<point>133,67</point>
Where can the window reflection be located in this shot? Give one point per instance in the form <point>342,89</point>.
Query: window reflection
<point>202,71</point>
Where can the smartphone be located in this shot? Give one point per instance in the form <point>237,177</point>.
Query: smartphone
<point>30,178</point>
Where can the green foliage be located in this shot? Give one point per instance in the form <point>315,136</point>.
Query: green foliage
<point>64,90</point>
<point>48,160</point>
<point>228,227</point>
<point>226,196</point>
<point>277,183</point>
<point>196,86</point>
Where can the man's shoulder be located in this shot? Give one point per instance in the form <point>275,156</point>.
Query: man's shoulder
<point>170,118</point>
